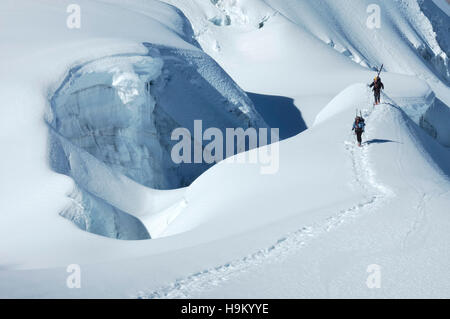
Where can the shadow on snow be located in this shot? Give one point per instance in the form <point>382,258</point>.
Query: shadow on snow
<point>279,112</point>
<point>378,141</point>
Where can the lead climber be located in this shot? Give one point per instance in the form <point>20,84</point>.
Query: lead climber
<point>376,86</point>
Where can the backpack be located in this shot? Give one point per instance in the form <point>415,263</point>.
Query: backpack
<point>359,125</point>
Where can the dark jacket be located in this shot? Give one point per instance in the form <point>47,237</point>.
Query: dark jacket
<point>378,85</point>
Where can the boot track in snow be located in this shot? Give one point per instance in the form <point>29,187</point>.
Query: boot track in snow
<point>376,195</point>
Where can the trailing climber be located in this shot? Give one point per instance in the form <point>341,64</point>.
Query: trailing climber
<point>358,127</point>
<point>377,85</point>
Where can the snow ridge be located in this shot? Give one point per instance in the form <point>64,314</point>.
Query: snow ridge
<point>364,177</point>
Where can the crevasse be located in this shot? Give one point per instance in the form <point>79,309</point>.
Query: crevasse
<point>111,120</point>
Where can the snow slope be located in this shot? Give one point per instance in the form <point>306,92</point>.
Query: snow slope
<point>374,213</point>
<point>406,43</point>
<point>309,230</point>
<point>328,258</point>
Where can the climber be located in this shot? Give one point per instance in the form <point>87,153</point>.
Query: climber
<point>376,86</point>
<point>358,127</point>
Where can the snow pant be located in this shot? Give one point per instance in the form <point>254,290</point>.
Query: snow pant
<point>359,136</point>
<point>377,94</point>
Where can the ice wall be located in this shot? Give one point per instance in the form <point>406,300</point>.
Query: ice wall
<point>121,110</point>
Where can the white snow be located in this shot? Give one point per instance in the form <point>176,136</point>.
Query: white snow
<point>310,230</point>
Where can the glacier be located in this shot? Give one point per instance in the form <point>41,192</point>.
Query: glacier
<point>77,143</point>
